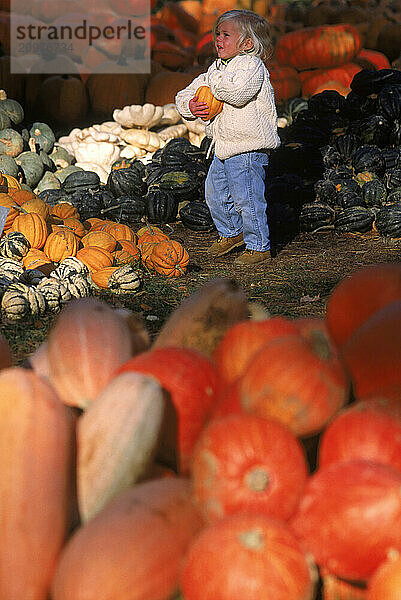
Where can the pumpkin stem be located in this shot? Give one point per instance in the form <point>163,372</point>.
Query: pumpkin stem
<point>253,539</point>
<point>257,479</point>
<point>32,144</point>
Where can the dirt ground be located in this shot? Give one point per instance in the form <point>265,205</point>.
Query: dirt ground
<point>301,274</point>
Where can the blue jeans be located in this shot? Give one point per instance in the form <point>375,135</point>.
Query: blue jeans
<point>235,195</point>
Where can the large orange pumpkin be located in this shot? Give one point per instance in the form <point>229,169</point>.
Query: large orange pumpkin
<point>315,79</point>
<point>357,297</point>
<point>372,354</point>
<point>235,468</point>
<point>36,457</point>
<point>300,383</point>
<point>257,557</point>
<point>318,47</point>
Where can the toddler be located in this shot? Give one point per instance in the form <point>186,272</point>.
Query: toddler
<point>242,133</point>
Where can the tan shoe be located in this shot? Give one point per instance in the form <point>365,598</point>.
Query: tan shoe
<point>252,257</point>
<point>224,245</point>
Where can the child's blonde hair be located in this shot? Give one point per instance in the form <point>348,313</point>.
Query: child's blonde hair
<point>250,25</point>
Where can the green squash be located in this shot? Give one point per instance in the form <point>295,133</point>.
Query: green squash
<point>5,120</point>
<point>9,166</point>
<point>43,136</point>
<point>32,166</point>
<point>11,142</point>
<point>12,108</point>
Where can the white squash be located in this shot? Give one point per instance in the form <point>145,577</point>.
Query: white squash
<point>174,131</point>
<point>101,153</point>
<point>137,115</point>
<point>171,116</point>
<point>142,138</point>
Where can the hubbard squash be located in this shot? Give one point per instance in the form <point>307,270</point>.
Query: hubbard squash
<point>145,532</point>
<point>86,345</point>
<point>203,318</point>
<point>117,438</point>
<point>36,448</point>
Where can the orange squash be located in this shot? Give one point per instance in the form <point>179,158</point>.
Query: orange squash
<point>100,239</point>
<point>21,196</point>
<point>120,231</point>
<point>147,526</point>
<point>169,258</point>
<point>61,244</point>
<point>95,258</point>
<point>100,278</point>
<point>86,345</point>
<point>63,210</point>
<point>75,225</point>
<point>36,457</point>
<point>37,259</point>
<point>36,205</point>
<point>215,106</point>
<point>34,228</point>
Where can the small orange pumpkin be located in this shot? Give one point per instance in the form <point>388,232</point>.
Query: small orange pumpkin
<point>215,106</point>
<point>37,259</point>
<point>170,258</point>
<point>120,231</point>
<point>128,246</point>
<point>61,244</point>
<point>101,277</point>
<point>21,196</point>
<point>63,210</point>
<point>101,239</point>
<point>34,228</point>
<point>75,225</point>
<point>36,205</point>
<point>7,182</point>
<point>95,258</point>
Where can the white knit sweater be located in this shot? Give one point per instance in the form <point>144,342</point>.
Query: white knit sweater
<point>248,120</point>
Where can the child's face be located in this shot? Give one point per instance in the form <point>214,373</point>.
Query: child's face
<point>227,36</point>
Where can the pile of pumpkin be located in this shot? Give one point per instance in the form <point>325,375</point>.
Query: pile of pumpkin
<point>48,255</point>
<point>339,165</point>
<point>191,465</point>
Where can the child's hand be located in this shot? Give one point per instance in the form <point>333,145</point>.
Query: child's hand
<point>198,109</point>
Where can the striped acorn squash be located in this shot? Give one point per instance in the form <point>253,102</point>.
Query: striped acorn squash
<point>355,219</point>
<point>316,215</point>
